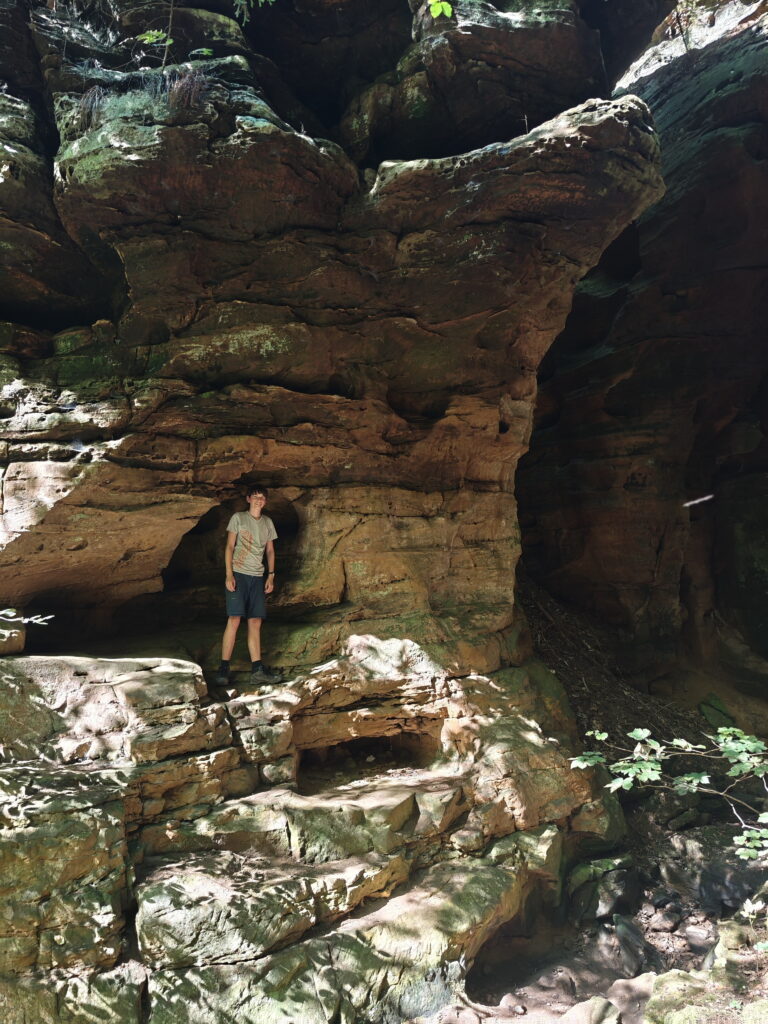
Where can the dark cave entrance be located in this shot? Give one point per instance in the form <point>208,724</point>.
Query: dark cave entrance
<point>353,760</point>
<point>185,618</point>
<point>198,561</point>
<point>188,614</point>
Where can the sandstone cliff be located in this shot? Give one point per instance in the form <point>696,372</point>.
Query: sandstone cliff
<point>654,395</point>
<point>326,250</point>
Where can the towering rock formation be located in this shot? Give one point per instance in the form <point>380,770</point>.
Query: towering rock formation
<point>326,250</point>
<point>654,396</point>
<point>364,343</point>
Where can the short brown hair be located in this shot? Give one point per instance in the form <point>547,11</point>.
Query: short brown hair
<point>256,489</point>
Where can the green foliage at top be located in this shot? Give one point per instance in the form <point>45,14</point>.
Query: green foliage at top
<point>243,8</point>
<point>733,753</point>
<point>438,7</point>
<point>162,38</point>
<point>155,37</point>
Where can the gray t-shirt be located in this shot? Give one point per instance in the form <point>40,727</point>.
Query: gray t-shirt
<point>252,537</point>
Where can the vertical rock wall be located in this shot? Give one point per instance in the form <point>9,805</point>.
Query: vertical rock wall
<point>365,343</point>
<point>654,395</point>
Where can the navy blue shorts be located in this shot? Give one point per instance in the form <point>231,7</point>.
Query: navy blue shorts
<point>247,599</point>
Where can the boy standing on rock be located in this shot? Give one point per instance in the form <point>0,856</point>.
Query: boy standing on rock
<point>249,535</point>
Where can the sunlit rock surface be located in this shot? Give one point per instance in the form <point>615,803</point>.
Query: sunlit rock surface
<point>327,256</point>
<point>368,351</point>
<point>237,830</point>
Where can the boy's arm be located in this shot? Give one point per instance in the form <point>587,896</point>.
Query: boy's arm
<point>228,552</point>
<point>269,584</point>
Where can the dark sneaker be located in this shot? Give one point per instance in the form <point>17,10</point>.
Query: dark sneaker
<point>265,676</point>
<point>222,678</point>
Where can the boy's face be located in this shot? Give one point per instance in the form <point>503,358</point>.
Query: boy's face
<point>256,503</point>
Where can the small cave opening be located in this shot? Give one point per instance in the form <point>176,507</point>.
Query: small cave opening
<point>419,408</point>
<point>533,943</point>
<point>356,760</point>
<point>190,608</point>
<point>197,564</point>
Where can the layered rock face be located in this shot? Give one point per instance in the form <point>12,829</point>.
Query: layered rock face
<point>654,396</point>
<point>169,858</point>
<point>325,251</point>
<point>365,344</point>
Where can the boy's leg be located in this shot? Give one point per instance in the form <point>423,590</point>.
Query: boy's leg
<point>230,635</point>
<point>254,639</point>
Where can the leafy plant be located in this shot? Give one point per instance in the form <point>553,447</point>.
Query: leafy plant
<point>742,758</point>
<point>243,8</point>
<point>154,37</point>
<point>438,7</point>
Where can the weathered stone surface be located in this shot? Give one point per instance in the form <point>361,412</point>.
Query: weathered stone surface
<point>594,1011</point>
<point>478,756</point>
<point>61,998</point>
<point>403,959</point>
<point>71,709</point>
<point>216,293</point>
<point>207,910</point>
<point>64,872</point>
<point>40,266</point>
<point>527,62</point>
<point>653,394</point>
<point>249,342</point>
<point>235,874</point>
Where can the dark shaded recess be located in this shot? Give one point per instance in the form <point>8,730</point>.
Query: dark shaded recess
<point>419,407</point>
<point>536,937</point>
<point>546,467</point>
<point>596,303</point>
<point>625,28</point>
<point>320,767</point>
<point>47,288</point>
<point>19,62</point>
<point>326,54</point>
<point>82,298</point>
<point>66,630</point>
<point>741,534</point>
<point>194,577</point>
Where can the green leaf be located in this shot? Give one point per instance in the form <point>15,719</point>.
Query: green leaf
<point>615,784</point>
<point>446,9</point>
<point>747,854</point>
<point>436,9</point>
<point>761,947</point>
<point>639,734</point>
<point>154,37</point>
<point>763,818</point>
<point>598,735</point>
<point>587,759</point>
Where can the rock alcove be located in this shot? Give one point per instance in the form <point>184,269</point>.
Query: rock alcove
<point>357,253</point>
